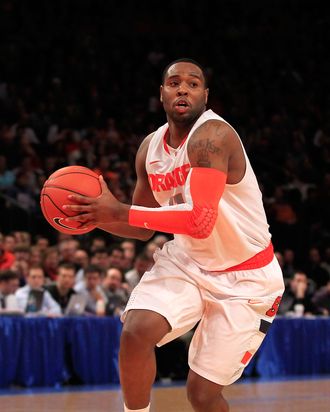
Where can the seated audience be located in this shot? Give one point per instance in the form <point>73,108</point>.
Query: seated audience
<point>6,258</point>
<point>297,297</point>
<point>100,258</point>
<point>91,288</point>
<point>50,263</point>
<point>62,289</point>
<point>141,265</point>
<point>116,292</point>
<point>129,248</point>
<point>81,260</point>
<point>9,283</point>
<point>321,299</point>
<point>33,298</point>
<point>67,249</point>
<point>116,256</point>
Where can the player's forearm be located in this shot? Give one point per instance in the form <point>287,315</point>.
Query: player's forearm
<point>196,217</point>
<point>125,230</point>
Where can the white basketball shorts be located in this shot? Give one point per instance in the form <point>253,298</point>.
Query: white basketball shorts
<point>234,310</point>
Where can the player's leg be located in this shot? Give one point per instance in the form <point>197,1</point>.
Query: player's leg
<point>142,330</point>
<point>164,305</point>
<point>239,309</point>
<point>204,395</point>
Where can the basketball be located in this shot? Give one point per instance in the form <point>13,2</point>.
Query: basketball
<point>68,180</point>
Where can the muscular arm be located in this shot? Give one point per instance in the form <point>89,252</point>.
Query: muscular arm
<point>216,145</point>
<point>216,157</point>
<point>210,150</point>
<point>142,196</point>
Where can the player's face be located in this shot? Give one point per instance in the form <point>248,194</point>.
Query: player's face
<point>183,93</point>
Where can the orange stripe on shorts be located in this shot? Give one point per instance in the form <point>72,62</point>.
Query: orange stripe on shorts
<point>246,358</point>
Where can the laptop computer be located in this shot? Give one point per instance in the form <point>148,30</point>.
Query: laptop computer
<point>76,305</point>
<point>11,308</point>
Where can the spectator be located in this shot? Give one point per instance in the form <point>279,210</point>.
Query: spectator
<point>321,299</point>
<point>91,288</point>
<point>50,263</point>
<point>21,268</point>
<point>98,242</point>
<point>6,258</point>
<point>100,257</point>
<point>141,265</point>
<point>22,252</point>
<point>9,283</point>
<point>116,292</point>
<point>67,249</point>
<point>9,243</point>
<point>288,263</point>
<point>129,248</point>
<point>22,238</point>
<point>27,300</point>
<point>81,260</point>
<point>297,297</point>
<point>42,243</point>
<point>150,248</point>
<point>62,289</point>
<point>314,268</point>
<point>116,256</point>
<point>35,256</point>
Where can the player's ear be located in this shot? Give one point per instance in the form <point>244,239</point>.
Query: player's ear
<point>161,94</point>
<point>206,95</point>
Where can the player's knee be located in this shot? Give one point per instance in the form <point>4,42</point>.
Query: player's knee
<point>133,338</point>
<point>198,398</point>
<point>202,399</point>
<point>139,330</point>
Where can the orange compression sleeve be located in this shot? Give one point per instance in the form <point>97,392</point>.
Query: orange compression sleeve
<point>196,217</point>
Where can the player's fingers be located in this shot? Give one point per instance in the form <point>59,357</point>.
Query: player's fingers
<point>104,186</point>
<point>87,225</point>
<point>84,200</point>
<point>77,208</point>
<point>83,218</point>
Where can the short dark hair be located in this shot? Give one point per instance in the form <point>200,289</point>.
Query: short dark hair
<point>6,275</point>
<point>99,250</point>
<point>93,269</point>
<point>185,60</point>
<point>67,265</point>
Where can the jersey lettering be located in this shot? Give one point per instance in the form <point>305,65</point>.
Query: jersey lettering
<point>168,181</point>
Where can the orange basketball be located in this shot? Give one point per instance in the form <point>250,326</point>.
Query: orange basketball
<point>68,180</point>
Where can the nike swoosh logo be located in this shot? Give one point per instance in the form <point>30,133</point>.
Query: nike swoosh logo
<point>146,225</point>
<point>58,220</point>
<point>154,161</point>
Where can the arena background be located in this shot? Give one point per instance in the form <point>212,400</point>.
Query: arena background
<point>79,84</point>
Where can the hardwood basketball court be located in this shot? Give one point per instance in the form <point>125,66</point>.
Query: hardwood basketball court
<point>284,396</point>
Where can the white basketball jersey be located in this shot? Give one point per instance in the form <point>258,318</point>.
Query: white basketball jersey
<point>241,229</point>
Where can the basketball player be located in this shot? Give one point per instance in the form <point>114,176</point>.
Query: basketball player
<point>193,180</point>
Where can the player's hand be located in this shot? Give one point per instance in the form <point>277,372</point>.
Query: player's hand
<point>96,210</point>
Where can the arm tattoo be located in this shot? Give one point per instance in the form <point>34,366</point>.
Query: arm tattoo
<point>203,149</point>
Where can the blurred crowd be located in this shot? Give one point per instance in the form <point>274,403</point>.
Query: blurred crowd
<point>77,87</point>
<point>70,278</point>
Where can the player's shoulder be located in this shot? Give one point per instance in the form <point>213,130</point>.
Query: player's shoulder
<point>217,131</point>
<point>145,142</point>
<point>143,149</point>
